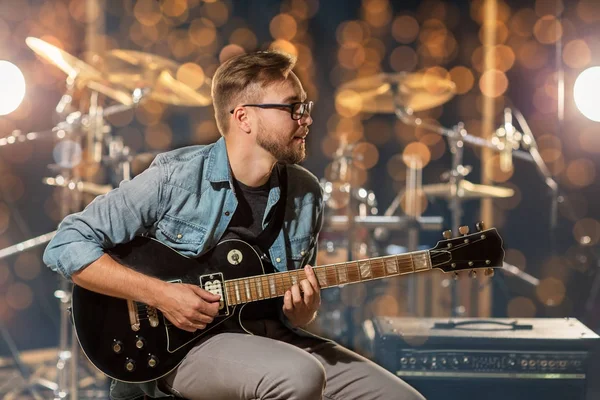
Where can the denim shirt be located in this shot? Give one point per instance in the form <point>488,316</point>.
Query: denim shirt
<point>185,200</point>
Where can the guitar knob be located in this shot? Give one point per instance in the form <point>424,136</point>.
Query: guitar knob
<point>447,234</point>
<point>117,346</point>
<point>489,272</point>
<point>140,342</point>
<point>472,274</point>
<point>130,365</point>
<point>464,230</point>
<point>479,226</point>
<point>152,361</point>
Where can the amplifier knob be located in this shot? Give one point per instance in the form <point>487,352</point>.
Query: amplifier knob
<point>544,363</point>
<point>455,361</point>
<point>532,363</point>
<point>403,360</point>
<point>552,363</point>
<point>511,362</point>
<point>424,360</point>
<point>412,361</point>
<point>443,361</point>
<point>562,363</point>
<point>466,360</point>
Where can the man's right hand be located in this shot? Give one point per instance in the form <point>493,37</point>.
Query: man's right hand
<point>188,307</point>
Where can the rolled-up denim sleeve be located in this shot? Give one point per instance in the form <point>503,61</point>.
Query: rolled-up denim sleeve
<point>110,219</point>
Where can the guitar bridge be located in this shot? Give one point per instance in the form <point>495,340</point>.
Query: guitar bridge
<point>215,284</point>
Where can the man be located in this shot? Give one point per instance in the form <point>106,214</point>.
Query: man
<point>190,199</point>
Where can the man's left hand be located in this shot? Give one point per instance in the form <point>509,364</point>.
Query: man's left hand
<point>300,307</point>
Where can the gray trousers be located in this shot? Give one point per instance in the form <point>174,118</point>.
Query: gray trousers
<point>278,364</point>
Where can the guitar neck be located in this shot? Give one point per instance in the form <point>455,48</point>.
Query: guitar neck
<point>262,287</point>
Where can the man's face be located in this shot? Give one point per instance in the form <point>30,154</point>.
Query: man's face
<point>278,133</point>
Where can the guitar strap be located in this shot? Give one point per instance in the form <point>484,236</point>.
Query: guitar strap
<point>266,238</point>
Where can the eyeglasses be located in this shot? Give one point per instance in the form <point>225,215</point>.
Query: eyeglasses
<point>297,110</point>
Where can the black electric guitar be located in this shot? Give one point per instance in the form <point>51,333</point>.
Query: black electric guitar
<point>133,342</point>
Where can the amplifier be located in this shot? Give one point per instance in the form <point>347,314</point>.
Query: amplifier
<point>545,358</point>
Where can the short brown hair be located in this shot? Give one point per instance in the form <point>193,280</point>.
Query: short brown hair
<point>241,77</point>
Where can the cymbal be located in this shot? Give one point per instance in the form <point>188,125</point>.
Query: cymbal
<point>135,69</point>
<point>467,190</point>
<point>70,65</point>
<point>382,93</point>
<point>83,73</point>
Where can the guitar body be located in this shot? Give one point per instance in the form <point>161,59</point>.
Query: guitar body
<point>103,324</point>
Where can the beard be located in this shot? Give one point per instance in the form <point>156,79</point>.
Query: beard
<point>284,150</point>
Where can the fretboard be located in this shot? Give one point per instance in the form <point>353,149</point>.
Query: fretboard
<point>262,287</point>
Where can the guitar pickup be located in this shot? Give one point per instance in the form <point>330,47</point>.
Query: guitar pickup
<point>215,284</point>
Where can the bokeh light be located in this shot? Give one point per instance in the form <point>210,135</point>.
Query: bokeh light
<point>586,92</point>
<point>12,83</point>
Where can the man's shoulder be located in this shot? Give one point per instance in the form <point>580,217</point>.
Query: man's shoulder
<point>187,154</point>
<point>303,179</point>
<point>184,167</point>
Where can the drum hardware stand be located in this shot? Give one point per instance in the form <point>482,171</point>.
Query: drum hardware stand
<point>66,385</point>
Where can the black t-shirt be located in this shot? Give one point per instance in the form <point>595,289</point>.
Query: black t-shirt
<point>246,225</point>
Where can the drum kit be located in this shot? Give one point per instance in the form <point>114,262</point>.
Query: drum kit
<point>129,78</point>
<point>403,94</point>
<point>126,79</point>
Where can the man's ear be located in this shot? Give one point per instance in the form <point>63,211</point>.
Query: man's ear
<point>242,119</point>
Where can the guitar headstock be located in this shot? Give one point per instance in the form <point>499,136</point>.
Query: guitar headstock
<point>469,252</point>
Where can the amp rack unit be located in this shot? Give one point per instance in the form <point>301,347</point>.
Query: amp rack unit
<point>496,358</point>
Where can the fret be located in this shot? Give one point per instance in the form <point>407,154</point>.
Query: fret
<point>228,293</point>
<point>237,292</point>
<point>342,273</point>
<point>421,263</point>
<point>321,276</point>
<point>333,275</point>
<point>272,286</point>
<point>429,260</point>
<point>282,287</point>
<point>264,284</point>
<point>247,287</point>
<point>287,282</point>
<point>258,283</point>
<point>392,269</point>
<point>365,269</point>
<point>294,278</point>
<point>378,270</point>
<point>354,272</point>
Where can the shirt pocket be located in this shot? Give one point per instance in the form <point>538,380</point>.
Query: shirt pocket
<point>180,234</point>
<point>299,250</point>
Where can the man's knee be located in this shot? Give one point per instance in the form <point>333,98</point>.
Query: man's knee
<point>303,378</point>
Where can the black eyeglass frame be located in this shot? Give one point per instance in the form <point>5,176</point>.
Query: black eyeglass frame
<point>308,106</point>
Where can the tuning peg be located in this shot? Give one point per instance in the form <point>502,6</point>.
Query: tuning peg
<point>489,272</point>
<point>464,230</point>
<point>472,274</point>
<point>479,226</point>
<point>455,276</point>
<point>447,234</point>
